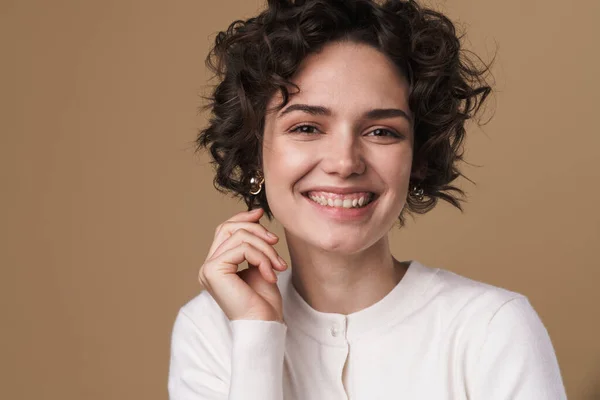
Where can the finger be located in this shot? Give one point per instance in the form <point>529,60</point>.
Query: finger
<point>266,290</point>
<point>227,263</point>
<point>243,236</point>
<point>247,216</point>
<point>227,229</point>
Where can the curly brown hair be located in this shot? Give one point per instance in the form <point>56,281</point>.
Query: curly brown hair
<point>255,58</point>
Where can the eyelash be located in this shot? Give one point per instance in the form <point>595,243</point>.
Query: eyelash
<point>297,130</point>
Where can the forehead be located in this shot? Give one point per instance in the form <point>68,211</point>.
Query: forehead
<point>351,77</point>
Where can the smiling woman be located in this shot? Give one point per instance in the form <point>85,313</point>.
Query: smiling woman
<point>359,145</point>
<point>337,118</point>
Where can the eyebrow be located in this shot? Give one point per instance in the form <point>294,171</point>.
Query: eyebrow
<point>377,113</point>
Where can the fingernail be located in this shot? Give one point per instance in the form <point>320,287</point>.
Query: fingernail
<point>282,261</point>
<point>256,210</point>
<point>271,235</point>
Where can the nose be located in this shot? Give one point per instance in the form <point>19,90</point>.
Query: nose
<point>343,155</point>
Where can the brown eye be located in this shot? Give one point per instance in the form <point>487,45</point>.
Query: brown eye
<point>383,132</point>
<point>306,129</point>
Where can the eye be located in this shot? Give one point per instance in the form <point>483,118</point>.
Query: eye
<point>383,132</point>
<point>305,129</point>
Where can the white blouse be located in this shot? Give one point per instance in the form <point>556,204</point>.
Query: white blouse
<point>436,335</point>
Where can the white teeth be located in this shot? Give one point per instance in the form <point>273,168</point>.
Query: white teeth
<point>345,203</point>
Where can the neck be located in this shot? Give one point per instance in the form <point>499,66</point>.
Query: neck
<point>343,283</point>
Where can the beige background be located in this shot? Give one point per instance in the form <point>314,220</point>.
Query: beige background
<point>107,214</point>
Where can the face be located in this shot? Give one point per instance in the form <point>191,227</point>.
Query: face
<point>337,158</point>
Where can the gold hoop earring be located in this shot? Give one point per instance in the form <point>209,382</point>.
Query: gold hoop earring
<point>417,191</point>
<point>256,183</point>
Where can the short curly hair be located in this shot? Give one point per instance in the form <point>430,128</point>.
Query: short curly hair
<point>256,58</point>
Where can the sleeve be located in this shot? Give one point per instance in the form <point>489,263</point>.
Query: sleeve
<point>257,352</point>
<point>517,359</point>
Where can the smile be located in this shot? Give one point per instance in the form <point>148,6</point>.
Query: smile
<point>337,200</point>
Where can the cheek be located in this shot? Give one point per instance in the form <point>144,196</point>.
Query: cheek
<point>284,163</point>
<point>395,169</point>
<point>393,164</point>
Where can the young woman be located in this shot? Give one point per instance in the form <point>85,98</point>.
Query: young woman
<point>338,118</point>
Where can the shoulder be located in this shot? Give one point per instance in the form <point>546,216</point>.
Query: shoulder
<point>470,310</point>
<point>460,297</point>
<point>500,338</point>
<point>492,327</point>
<point>203,313</point>
<point>200,325</point>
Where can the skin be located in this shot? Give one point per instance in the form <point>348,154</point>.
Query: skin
<point>341,266</point>
<point>341,261</point>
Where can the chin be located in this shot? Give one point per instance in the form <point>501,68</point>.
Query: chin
<point>343,244</point>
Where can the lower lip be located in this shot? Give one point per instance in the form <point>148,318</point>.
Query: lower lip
<point>343,214</point>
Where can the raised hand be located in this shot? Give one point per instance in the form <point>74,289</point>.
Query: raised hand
<point>252,293</point>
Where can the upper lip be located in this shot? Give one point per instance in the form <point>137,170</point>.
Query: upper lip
<point>339,190</point>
